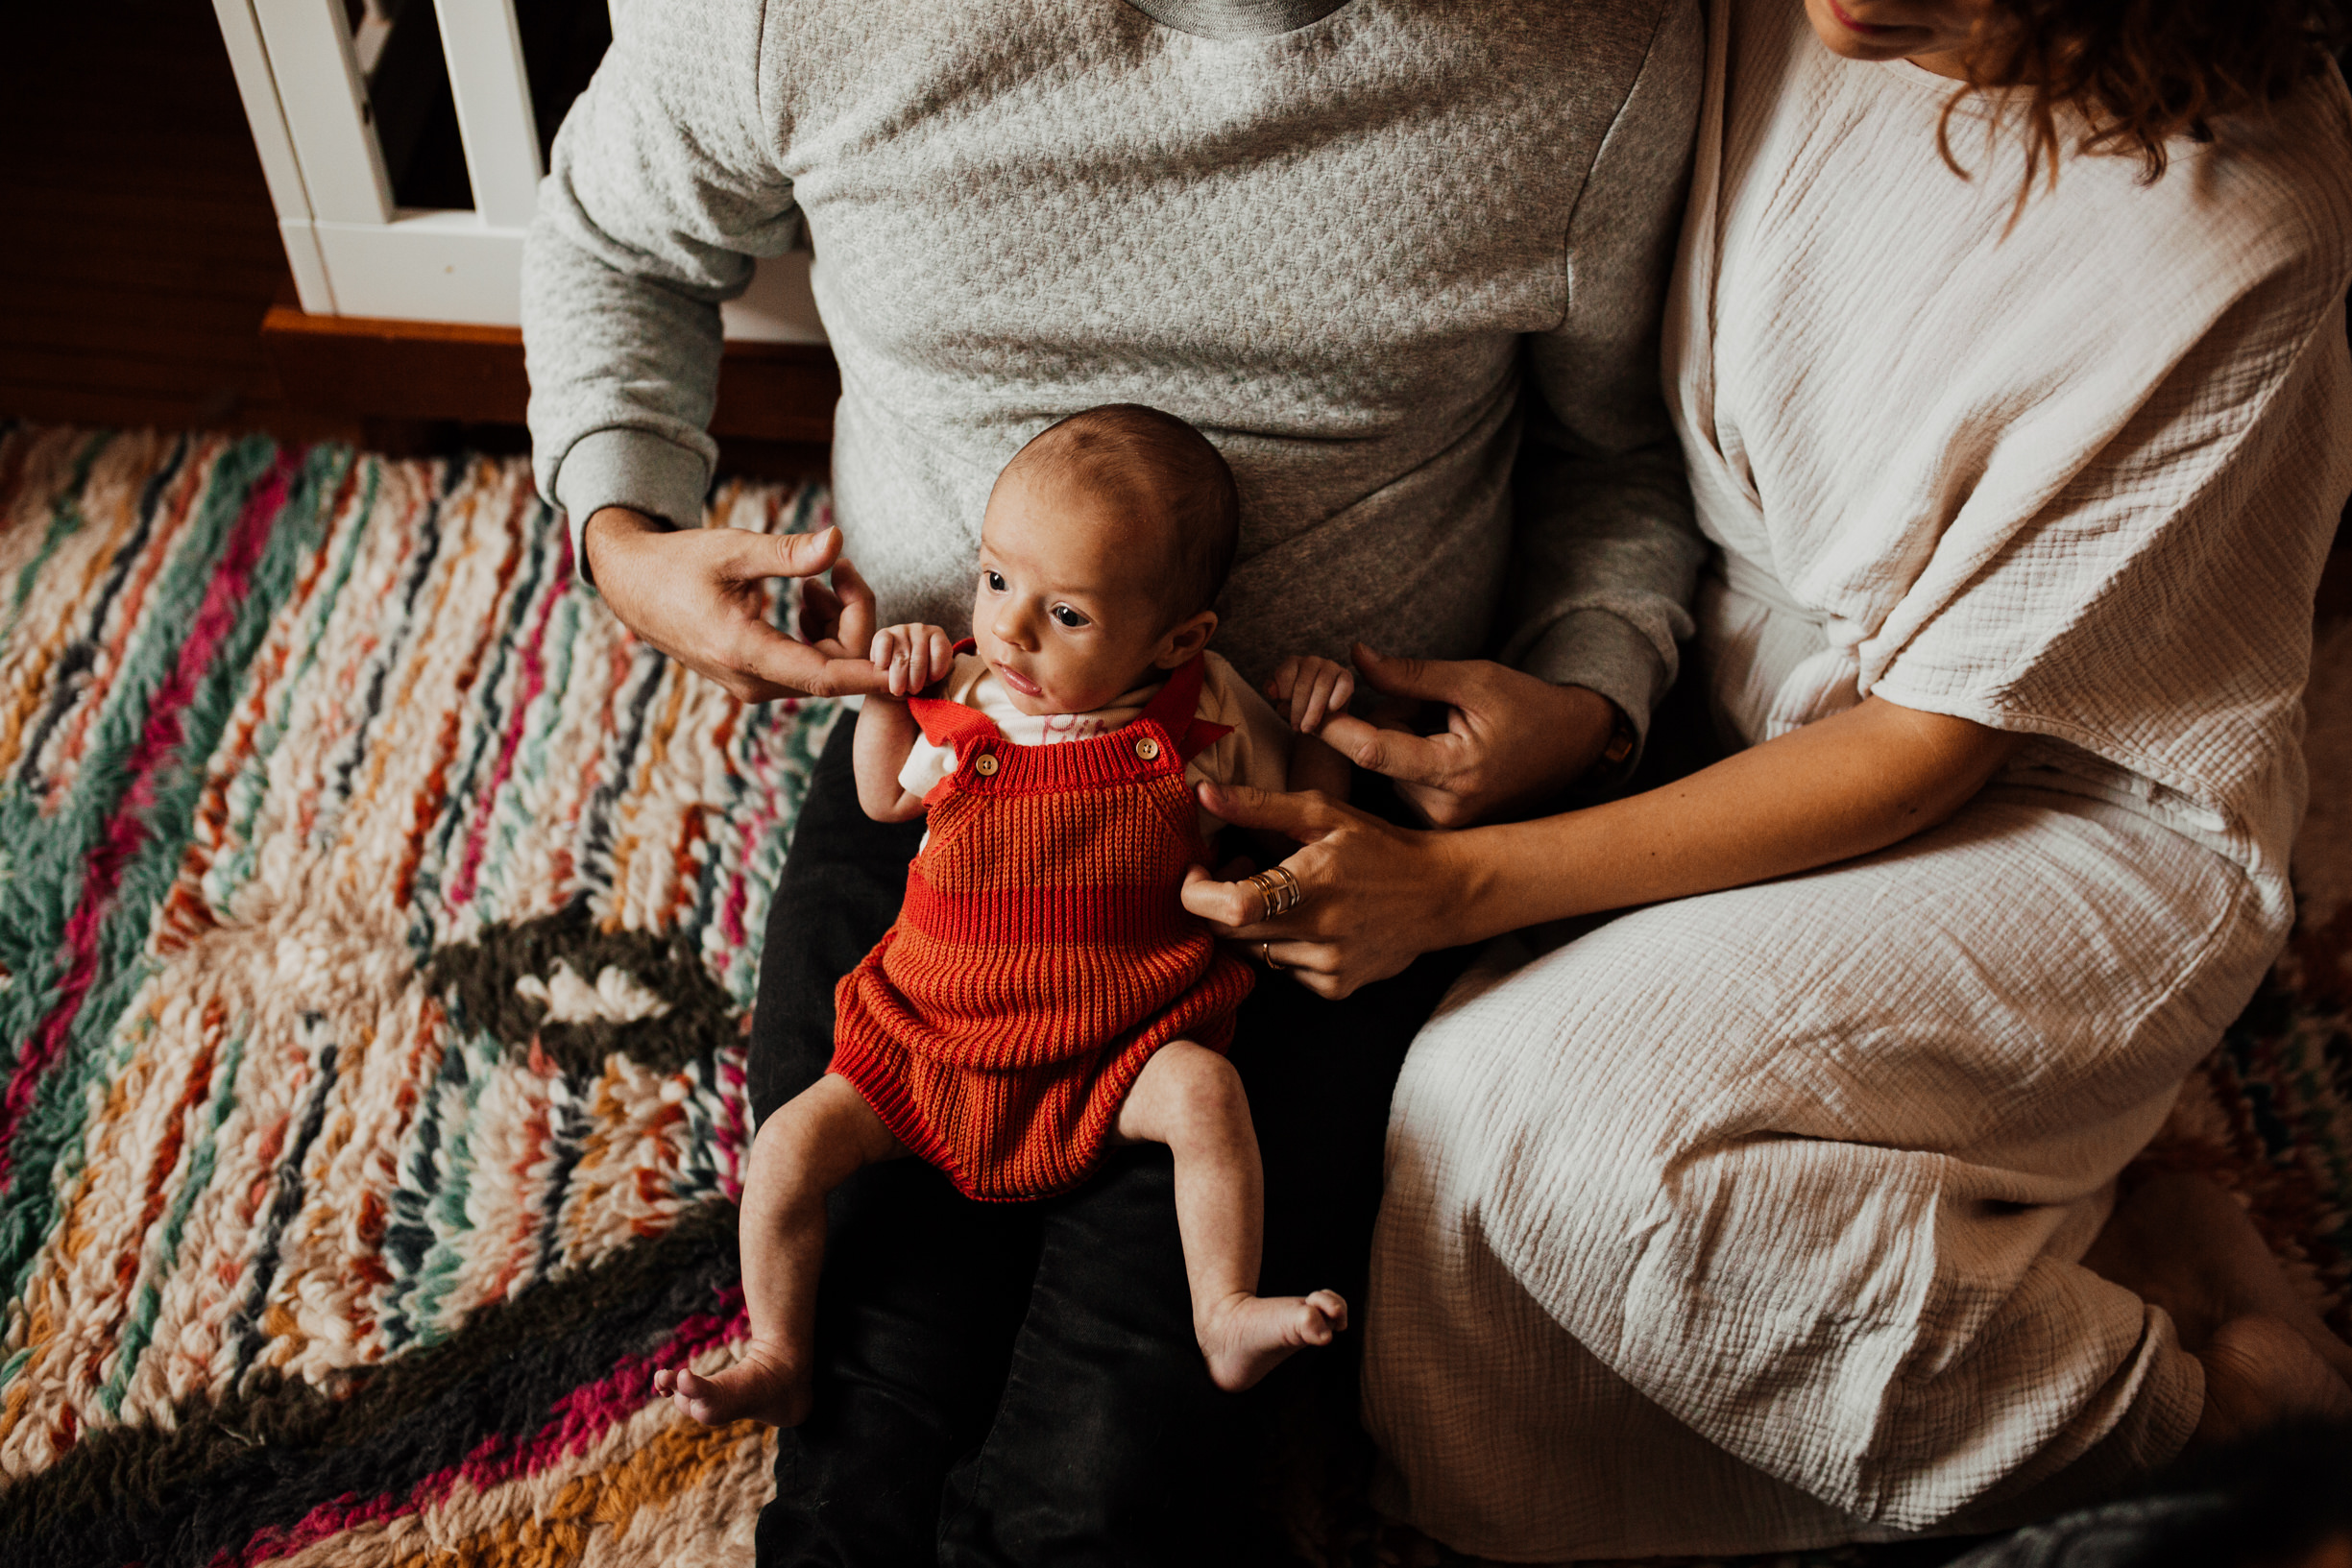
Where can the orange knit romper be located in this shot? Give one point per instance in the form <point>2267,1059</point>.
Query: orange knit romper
<point>1043,953</point>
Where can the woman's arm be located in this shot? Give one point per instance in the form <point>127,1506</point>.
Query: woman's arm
<point>1378,896</point>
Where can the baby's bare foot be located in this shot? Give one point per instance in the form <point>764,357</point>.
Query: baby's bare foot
<point>2187,1245</point>
<point>1245,1336</point>
<point>763,1385</point>
<point>2260,1371</point>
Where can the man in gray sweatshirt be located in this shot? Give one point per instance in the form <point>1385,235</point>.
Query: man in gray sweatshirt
<point>1402,261</point>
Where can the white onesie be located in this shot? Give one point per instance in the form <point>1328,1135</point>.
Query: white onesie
<point>1257,753</point>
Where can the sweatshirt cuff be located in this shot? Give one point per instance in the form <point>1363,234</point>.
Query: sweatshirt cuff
<point>1607,654</point>
<point>634,469</point>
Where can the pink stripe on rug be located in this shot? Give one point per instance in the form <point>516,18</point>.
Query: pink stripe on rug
<point>580,1418</point>
<point>126,832</point>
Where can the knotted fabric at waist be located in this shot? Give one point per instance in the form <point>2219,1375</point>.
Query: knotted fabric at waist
<point>1775,663</point>
<point>1750,580</point>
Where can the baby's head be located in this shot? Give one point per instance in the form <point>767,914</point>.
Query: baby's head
<point>1106,540</point>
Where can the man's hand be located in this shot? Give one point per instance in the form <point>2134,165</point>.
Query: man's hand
<point>1307,690</point>
<point>699,596</point>
<point>1510,740</point>
<point>911,656</point>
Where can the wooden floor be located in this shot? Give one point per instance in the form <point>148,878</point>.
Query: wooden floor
<point>143,250</point>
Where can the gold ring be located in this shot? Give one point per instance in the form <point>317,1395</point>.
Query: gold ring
<point>1278,892</point>
<point>1264,882</point>
<point>1267,950</point>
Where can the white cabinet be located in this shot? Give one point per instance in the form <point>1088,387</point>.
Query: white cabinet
<point>306,70</point>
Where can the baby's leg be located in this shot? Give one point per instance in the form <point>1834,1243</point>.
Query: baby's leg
<point>812,1145</point>
<point>1190,1099</point>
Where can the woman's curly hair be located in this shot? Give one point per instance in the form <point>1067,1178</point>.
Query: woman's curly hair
<point>2141,72</point>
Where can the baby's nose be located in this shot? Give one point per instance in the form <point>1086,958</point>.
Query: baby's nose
<point>1013,625</point>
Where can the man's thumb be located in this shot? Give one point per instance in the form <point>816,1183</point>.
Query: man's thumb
<point>791,555</point>
<point>1432,680</point>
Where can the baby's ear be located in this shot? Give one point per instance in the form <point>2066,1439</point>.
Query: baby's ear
<point>1186,638</point>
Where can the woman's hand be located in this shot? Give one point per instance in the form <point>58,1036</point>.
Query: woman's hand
<point>1511,740</point>
<point>699,595</point>
<point>1374,896</point>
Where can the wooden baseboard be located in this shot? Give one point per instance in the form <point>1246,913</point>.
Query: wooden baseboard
<point>392,369</point>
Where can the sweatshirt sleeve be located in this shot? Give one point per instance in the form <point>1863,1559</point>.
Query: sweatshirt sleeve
<point>663,189</point>
<point>1606,548</point>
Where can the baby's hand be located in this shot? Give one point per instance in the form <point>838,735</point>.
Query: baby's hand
<point>1307,690</point>
<point>911,655</point>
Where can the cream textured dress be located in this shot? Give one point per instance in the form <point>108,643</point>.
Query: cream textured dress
<point>1751,1222</point>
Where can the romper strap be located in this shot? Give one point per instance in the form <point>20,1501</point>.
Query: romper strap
<point>1174,708</point>
<point>951,724</point>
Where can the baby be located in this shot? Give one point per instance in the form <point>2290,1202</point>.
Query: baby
<point>1043,991</point>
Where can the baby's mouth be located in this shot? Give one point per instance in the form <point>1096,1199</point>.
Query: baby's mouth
<point>1019,682</point>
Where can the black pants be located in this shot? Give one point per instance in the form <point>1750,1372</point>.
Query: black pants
<point>1018,1383</point>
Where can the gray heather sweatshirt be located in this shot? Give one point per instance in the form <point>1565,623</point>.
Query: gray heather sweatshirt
<point>1362,246</point>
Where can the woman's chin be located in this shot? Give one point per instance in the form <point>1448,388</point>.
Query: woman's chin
<point>1845,46</point>
<point>1843,41</point>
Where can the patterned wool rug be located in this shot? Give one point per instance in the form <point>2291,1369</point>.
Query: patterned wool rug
<point>377,925</point>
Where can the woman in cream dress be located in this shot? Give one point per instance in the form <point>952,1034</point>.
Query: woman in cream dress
<point>1756,1218</point>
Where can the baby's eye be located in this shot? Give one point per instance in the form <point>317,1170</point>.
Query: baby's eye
<point>1068,616</point>
<point>995,581</point>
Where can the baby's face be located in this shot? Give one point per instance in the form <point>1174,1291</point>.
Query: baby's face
<point>1065,610</point>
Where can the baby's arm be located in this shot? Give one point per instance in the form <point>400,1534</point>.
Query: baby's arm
<point>1306,690</point>
<point>914,656</point>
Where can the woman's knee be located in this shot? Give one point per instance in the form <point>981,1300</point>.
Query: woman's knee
<point>1548,1109</point>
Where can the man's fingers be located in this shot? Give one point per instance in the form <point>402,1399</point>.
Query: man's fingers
<point>760,651</point>
<point>1439,807</point>
<point>775,658</point>
<point>1399,754</point>
<point>820,611</point>
<point>1432,680</point>
<point>856,600</point>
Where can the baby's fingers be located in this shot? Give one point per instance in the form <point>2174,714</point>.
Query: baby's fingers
<point>885,653</point>
<point>1305,714</point>
<point>1333,693</point>
<point>942,657</point>
<point>1329,695</point>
